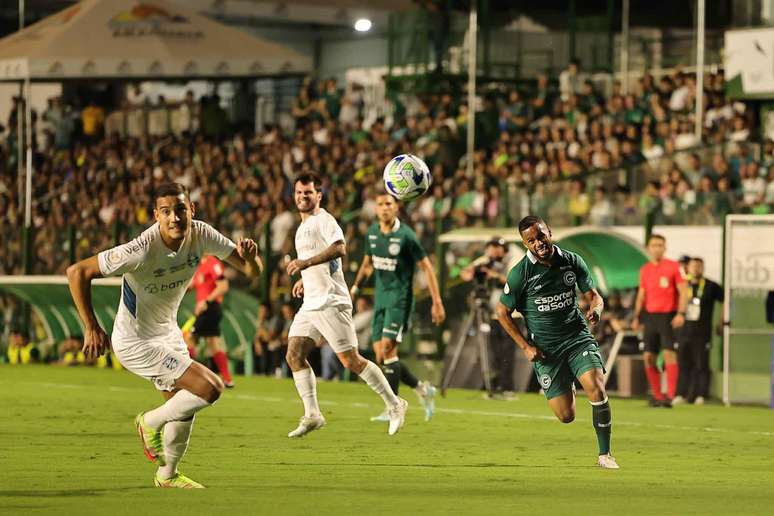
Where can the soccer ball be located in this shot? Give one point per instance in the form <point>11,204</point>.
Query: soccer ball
<point>407,177</point>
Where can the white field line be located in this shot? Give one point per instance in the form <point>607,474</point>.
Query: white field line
<point>486,413</point>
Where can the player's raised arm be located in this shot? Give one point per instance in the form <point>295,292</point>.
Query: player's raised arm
<point>79,276</point>
<point>245,258</point>
<point>437,311</point>
<point>335,250</point>
<point>363,273</point>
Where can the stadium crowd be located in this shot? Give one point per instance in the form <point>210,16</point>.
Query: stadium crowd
<point>569,154</point>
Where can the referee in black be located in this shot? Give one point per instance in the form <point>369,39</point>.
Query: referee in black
<point>696,335</point>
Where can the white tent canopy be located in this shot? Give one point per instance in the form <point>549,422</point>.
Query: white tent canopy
<point>126,39</point>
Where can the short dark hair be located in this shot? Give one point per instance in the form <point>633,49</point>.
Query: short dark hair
<point>697,259</point>
<point>171,189</point>
<point>309,178</point>
<point>656,236</point>
<point>529,221</point>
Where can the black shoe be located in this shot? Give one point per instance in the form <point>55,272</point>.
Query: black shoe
<point>229,385</point>
<point>653,402</point>
<point>666,403</point>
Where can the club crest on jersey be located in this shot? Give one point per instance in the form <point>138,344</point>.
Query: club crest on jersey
<point>114,257</point>
<point>545,381</point>
<point>569,278</point>
<point>394,249</point>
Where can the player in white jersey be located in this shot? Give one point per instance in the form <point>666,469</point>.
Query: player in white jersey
<point>326,311</point>
<point>156,268</point>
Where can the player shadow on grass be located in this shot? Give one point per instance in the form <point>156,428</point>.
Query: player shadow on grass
<point>63,493</point>
<point>396,465</point>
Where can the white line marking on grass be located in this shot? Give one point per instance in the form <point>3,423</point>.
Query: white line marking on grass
<point>486,413</point>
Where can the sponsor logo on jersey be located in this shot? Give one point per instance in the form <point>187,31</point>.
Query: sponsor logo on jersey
<point>569,278</point>
<point>159,272</point>
<point>555,302</point>
<point>536,276</point>
<point>154,288</point>
<point>178,267</point>
<point>537,287</point>
<point>545,381</point>
<point>394,249</point>
<point>385,264</point>
<point>372,237</point>
<point>193,260</point>
<point>395,240</point>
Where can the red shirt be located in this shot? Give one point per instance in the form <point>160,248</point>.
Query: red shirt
<point>660,281</point>
<point>210,270</point>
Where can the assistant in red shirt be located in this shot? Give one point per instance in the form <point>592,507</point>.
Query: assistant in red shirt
<point>663,296</point>
<point>206,278</point>
<point>210,285</point>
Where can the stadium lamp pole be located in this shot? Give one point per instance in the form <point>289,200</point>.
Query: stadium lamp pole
<point>699,117</point>
<point>625,47</point>
<point>472,53</point>
<point>20,124</point>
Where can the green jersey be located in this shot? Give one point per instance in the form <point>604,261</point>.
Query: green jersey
<point>394,256</point>
<point>545,296</point>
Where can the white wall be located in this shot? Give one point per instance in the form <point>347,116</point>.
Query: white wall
<point>705,242</point>
<point>40,94</point>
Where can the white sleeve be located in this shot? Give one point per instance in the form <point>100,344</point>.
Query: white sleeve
<point>215,243</point>
<point>123,258</point>
<point>331,231</point>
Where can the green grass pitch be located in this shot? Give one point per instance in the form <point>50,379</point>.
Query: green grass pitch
<point>69,447</point>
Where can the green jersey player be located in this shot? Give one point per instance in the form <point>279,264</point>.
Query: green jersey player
<point>393,251</point>
<point>559,344</point>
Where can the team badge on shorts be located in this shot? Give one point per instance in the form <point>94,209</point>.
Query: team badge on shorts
<point>394,249</point>
<point>569,278</point>
<point>545,381</point>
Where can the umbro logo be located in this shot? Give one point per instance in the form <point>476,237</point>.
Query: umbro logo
<point>537,287</point>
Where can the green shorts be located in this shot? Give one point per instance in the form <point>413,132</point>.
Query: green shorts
<point>557,374</point>
<point>390,323</point>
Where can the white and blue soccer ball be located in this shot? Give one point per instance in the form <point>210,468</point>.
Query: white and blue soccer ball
<point>407,177</point>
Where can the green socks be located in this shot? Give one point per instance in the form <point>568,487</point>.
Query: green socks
<point>391,369</point>
<point>602,419</point>
<point>396,373</point>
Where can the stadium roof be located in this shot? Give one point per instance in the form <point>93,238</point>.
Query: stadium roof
<point>141,40</point>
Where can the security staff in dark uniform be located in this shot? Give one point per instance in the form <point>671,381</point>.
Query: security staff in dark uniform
<point>696,334</point>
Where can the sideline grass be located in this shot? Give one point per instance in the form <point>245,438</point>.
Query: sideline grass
<point>68,447</point>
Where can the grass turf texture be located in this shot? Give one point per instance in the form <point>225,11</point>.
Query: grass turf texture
<point>69,447</point>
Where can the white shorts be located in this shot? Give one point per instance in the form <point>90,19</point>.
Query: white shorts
<point>162,360</point>
<point>334,324</point>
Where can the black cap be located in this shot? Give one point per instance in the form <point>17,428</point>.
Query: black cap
<point>497,240</point>
<point>684,259</point>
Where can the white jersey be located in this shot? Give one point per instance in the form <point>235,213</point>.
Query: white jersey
<point>155,278</point>
<point>324,284</point>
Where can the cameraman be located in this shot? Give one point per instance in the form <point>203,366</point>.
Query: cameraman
<point>488,274</point>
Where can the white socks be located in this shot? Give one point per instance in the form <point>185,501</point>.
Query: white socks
<point>376,380</point>
<point>176,435</point>
<point>179,407</point>
<point>306,385</point>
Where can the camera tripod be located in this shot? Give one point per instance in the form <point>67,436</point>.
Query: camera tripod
<point>478,326</point>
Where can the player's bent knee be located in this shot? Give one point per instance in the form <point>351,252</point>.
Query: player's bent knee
<point>566,417</point>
